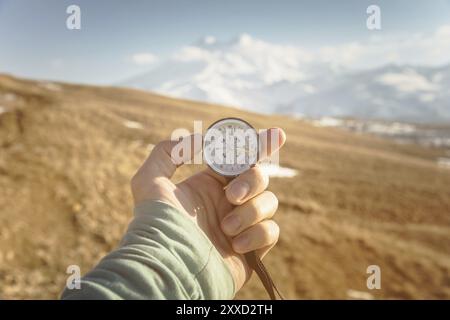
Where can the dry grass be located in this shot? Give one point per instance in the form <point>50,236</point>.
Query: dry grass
<point>66,159</point>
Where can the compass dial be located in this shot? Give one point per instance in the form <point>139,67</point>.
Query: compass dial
<point>230,146</point>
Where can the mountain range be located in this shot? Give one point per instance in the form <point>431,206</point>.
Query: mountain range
<point>260,76</point>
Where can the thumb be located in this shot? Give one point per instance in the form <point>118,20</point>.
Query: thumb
<point>168,155</point>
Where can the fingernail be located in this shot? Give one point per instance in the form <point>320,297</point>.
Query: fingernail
<point>239,190</point>
<point>231,224</point>
<point>241,243</point>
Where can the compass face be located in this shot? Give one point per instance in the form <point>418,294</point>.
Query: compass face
<point>230,146</point>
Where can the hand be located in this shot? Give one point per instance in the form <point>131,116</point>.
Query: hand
<point>236,220</point>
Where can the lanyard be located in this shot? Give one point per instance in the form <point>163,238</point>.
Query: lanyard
<point>256,264</point>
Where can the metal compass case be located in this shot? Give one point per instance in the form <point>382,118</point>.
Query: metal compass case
<point>230,147</point>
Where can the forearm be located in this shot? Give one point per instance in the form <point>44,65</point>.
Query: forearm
<point>163,255</point>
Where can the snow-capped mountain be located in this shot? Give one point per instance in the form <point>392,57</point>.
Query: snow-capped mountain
<point>265,77</point>
<point>411,94</point>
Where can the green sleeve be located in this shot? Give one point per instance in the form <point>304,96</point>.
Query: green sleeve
<point>163,255</point>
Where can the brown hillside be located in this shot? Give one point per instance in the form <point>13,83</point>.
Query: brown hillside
<point>66,159</point>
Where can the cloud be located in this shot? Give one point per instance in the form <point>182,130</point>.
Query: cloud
<point>431,49</point>
<point>273,62</point>
<point>144,58</point>
<point>209,40</point>
<point>57,63</point>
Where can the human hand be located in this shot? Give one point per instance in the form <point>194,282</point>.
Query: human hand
<point>237,220</point>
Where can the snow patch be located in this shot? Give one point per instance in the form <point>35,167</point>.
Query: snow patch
<point>133,124</point>
<point>438,142</point>
<point>379,128</point>
<point>275,171</point>
<point>394,128</point>
<point>9,97</point>
<point>328,122</point>
<point>50,86</point>
<point>359,295</point>
<point>444,163</point>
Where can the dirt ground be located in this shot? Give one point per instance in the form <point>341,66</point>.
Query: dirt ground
<point>67,154</point>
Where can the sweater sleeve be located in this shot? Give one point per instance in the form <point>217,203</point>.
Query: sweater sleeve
<point>163,255</point>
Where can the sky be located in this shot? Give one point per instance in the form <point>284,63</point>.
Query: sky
<point>119,39</point>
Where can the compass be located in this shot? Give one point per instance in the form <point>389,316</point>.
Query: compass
<point>230,146</point>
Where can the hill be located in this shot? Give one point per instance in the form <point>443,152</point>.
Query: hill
<point>67,153</point>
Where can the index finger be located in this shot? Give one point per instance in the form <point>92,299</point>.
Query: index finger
<point>270,142</point>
